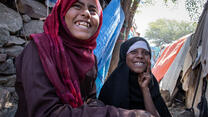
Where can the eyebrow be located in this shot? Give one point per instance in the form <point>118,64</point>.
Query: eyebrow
<point>80,2</point>
<point>91,5</point>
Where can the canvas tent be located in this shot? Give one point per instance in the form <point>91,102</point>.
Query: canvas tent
<point>190,68</point>
<point>167,57</point>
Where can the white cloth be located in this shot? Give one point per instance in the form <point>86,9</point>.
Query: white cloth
<point>138,44</point>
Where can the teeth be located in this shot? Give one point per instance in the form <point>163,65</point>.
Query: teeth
<point>86,24</point>
<point>139,64</point>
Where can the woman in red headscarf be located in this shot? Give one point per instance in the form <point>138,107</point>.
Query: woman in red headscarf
<point>57,69</point>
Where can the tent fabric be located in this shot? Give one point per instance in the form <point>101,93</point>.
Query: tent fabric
<point>204,29</point>
<point>50,3</point>
<point>113,19</point>
<point>187,70</point>
<point>166,59</point>
<point>199,54</point>
<point>171,76</point>
<point>155,55</point>
<point>190,57</point>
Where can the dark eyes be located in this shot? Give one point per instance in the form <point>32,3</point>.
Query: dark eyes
<point>77,6</point>
<point>91,9</point>
<point>133,52</point>
<point>144,52</point>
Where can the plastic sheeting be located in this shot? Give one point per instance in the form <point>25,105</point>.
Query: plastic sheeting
<point>204,39</point>
<point>155,54</point>
<point>166,59</point>
<point>172,75</point>
<point>113,18</point>
<point>50,3</point>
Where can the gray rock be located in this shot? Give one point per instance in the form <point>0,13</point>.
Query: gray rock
<point>13,51</point>
<point>32,8</point>
<point>2,51</point>
<point>3,57</point>
<point>7,68</point>
<point>13,40</point>
<point>4,36</point>
<point>7,105</point>
<point>33,26</point>
<point>3,40</point>
<point>9,112</point>
<point>7,81</point>
<point>26,18</point>
<point>14,96</point>
<point>4,32</point>
<point>6,41</point>
<point>4,97</point>
<point>10,19</point>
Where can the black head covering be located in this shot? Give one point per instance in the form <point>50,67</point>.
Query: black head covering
<point>122,89</point>
<point>126,45</point>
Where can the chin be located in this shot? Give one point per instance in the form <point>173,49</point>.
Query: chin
<point>139,71</point>
<point>82,37</point>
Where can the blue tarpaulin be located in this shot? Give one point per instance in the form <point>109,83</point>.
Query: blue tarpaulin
<point>155,53</point>
<point>50,3</point>
<point>113,18</point>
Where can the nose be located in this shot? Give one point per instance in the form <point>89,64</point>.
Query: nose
<point>86,13</point>
<point>139,55</point>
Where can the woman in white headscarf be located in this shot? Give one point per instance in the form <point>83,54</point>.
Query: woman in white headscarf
<point>132,84</point>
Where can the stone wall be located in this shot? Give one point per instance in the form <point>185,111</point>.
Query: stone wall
<point>15,27</point>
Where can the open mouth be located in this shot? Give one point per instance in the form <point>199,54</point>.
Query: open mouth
<point>83,24</point>
<point>139,64</point>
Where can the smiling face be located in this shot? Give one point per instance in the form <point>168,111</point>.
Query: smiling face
<point>82,19</point>
<point>137,60</point>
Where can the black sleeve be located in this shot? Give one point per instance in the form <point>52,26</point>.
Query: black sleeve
<point>159,102</point>
<point>161,107</point>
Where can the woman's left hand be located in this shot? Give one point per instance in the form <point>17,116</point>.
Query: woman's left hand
<point>145,77</point>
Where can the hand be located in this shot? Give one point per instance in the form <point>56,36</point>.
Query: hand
<point>145,77</point>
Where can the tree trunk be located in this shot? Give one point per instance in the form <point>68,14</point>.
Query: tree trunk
<point>129,8</point>
<point>115,54</point>
<point>131,16</point>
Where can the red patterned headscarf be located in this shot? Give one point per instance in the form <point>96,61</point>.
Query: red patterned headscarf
<point>65,70</point>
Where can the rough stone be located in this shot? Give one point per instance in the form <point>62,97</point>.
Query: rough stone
<point>7,81</point>
<point>9,112</point>
<point>26,18</point>
<point>13,40</point>
<point>13,51</point>
<point>4,32</point>
<point>6,41</point>
<point>11,20</point>
<point>2,51</point>
<point>32,8</point>
<point>3,57</point>
<point>7,104</point>
<point>37,27</point>
<point>4,95</point>
<point>3,40</point>
<point>7,68</point>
